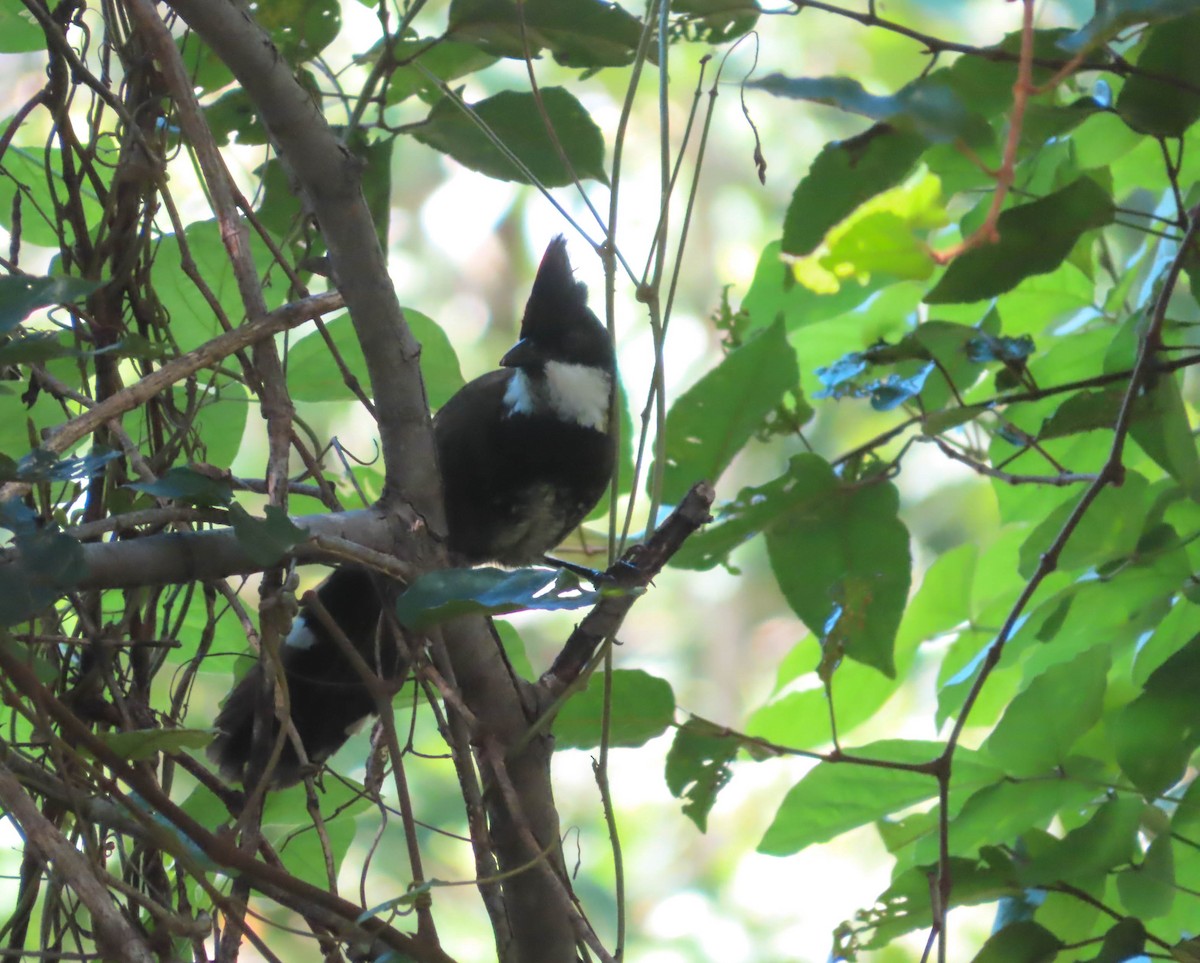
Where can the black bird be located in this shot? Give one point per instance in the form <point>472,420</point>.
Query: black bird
<point>525,453</point>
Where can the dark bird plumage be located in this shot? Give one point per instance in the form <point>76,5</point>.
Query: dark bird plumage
<point>525,453</point>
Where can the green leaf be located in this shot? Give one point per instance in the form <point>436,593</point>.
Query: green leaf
<point>839,552</point>
<point>801,720</point>
<point>1035,238</point>
<point>1125,940</point>
<point>928,107</point>
<point>47,564</point>
<point>187,485</point>
<point>220,421</point>
<point>643,706</point>
<point>312,375</point>
<point>905,905</point>
<point>21,294</point>
<point>36,175</point>
<point>1161,427</point>
<point>884,236</point>
<point>846,174</point>
<point>1109,529</point>
<point>1155,735</point>
<point>579,33</point>
<point>19,31</point>
<point>1042,724</point>
<point>698,767</point>
<point>712,421</point>
<point>266,540</point>
<point>1114,16</point>
<point>836,797</point>
<point>1148,889</point>
<point>1106,840</point>
<point>301,29</point>
<point>1165,107</point>
<point>714,21</point>
<point>419,57</point>
<point>1000,813</point>
<point>516,120</point>
<point>145,743</point>
<point>448,593</point>
<point>1022,942</point>
<point>1084,411</point>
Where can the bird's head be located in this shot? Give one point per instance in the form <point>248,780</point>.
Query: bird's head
<point>564,360</point>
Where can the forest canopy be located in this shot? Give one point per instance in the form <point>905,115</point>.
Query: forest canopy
<point>895,656</point>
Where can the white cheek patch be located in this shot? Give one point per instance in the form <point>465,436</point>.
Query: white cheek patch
<point>575,393</point>
<point>301,636</point>
<point>579,393</point>
<point>518,396</point>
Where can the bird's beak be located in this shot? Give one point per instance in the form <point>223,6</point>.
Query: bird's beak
<point>523,354</point>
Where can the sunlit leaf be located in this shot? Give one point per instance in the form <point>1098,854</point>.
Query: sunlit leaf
<point>714,419</point>
<point>836,797</point>
<point>643,705</point>
<point>1034,239</point>
<point>698,767</point>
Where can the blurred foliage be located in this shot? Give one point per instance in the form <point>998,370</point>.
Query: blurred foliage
<point>994,265</point>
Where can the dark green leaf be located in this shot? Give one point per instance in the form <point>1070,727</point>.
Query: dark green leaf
<point>643,706</point>
<point>836,797</point>
<point>516,119</point>
<point>1085,411</point>
<point>846,174</point>
<point>266,540</point>
<point>48,562</point>
<point>313,376</point>
<point>905,905</point>
<point>1042,724</point>
<point>1022,942</point>
<point>928,107</point>
<point>145,743</point>
<point>1161,426</point>
<point>233,117</point>
<point>301,29</point>
<point>21,294</point>
<point>1109,530</point>
<point>449,593</point>
<point>714,21</point>
<point>1165,107</point>
<point>187,485</point>
<point>37,346</point>
<point>1114,16</point>
<point>1105,841</point>
<point>1148,889</point>
<point>1155,735</point>
<point>445,59</point>
<point>1124,940</point>
<point>698,767</point>
<point>839,552</point>
<point>1035,238</point>
<point>1000,813</point>
<point>579,33</point>
<point>712,421</point>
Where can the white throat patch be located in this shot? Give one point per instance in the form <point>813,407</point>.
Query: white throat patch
<point>571,392</point>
